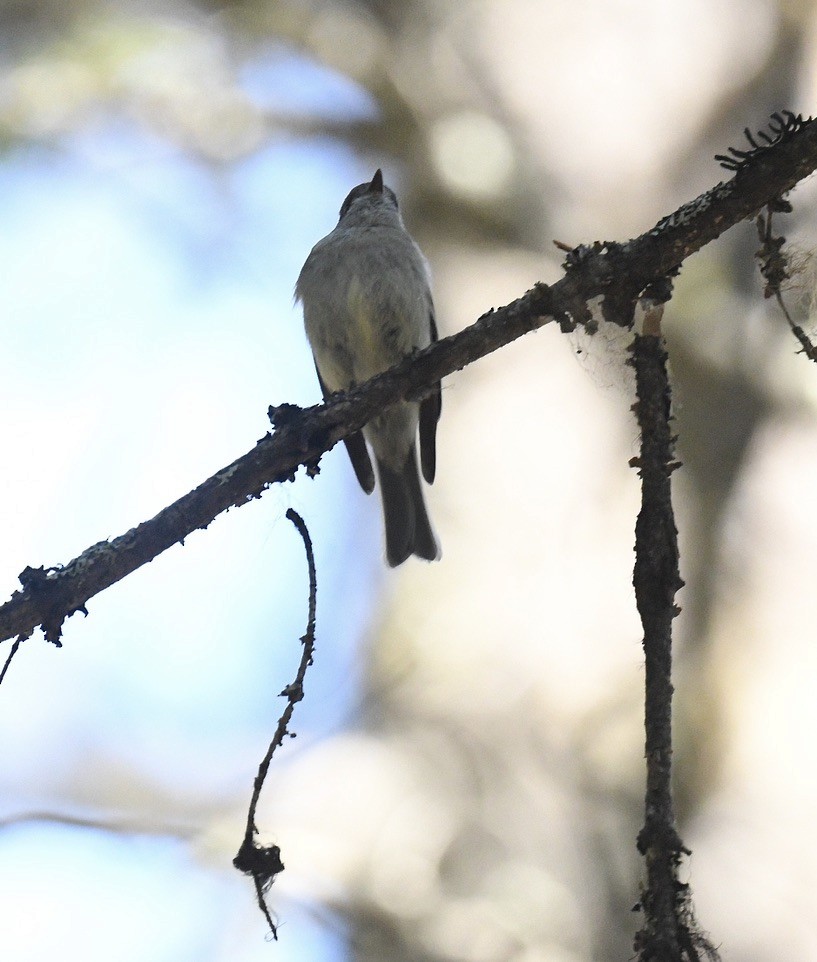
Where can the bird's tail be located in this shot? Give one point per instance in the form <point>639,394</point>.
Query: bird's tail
<point>408,529</point>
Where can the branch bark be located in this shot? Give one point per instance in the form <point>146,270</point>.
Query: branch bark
<point>669,933</point>
<point>617,273</point>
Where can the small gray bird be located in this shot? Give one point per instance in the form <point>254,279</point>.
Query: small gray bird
<point>367,304</point>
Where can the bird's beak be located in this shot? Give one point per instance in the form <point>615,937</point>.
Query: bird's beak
<point>376,185</point>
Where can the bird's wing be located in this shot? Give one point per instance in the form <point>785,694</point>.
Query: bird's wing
<point>430,408</point>
<point>356,446</point>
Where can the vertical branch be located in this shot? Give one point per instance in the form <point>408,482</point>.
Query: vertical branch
<point>263,862</point>
<point>669,933</point>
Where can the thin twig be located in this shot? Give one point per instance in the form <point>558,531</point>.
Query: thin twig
<point>808,346</point>
<point>774,266</point>
<point>119,825</point>
<point>261,862</point>
<point>14,649</point>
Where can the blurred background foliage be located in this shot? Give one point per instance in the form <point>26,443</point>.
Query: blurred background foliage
<point>468,784</point>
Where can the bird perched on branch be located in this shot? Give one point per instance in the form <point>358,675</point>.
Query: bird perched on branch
<point>367,304</point>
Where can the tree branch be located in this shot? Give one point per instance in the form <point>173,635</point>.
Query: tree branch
<point>617,273</point>
<point>669,933</point>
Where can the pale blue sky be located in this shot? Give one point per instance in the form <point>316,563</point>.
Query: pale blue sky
<point>148,323</point>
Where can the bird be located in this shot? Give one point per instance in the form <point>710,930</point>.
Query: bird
<point>365,291</point>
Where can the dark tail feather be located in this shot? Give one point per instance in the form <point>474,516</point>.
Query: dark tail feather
<point>425,543</point>
<point>408,529</point>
